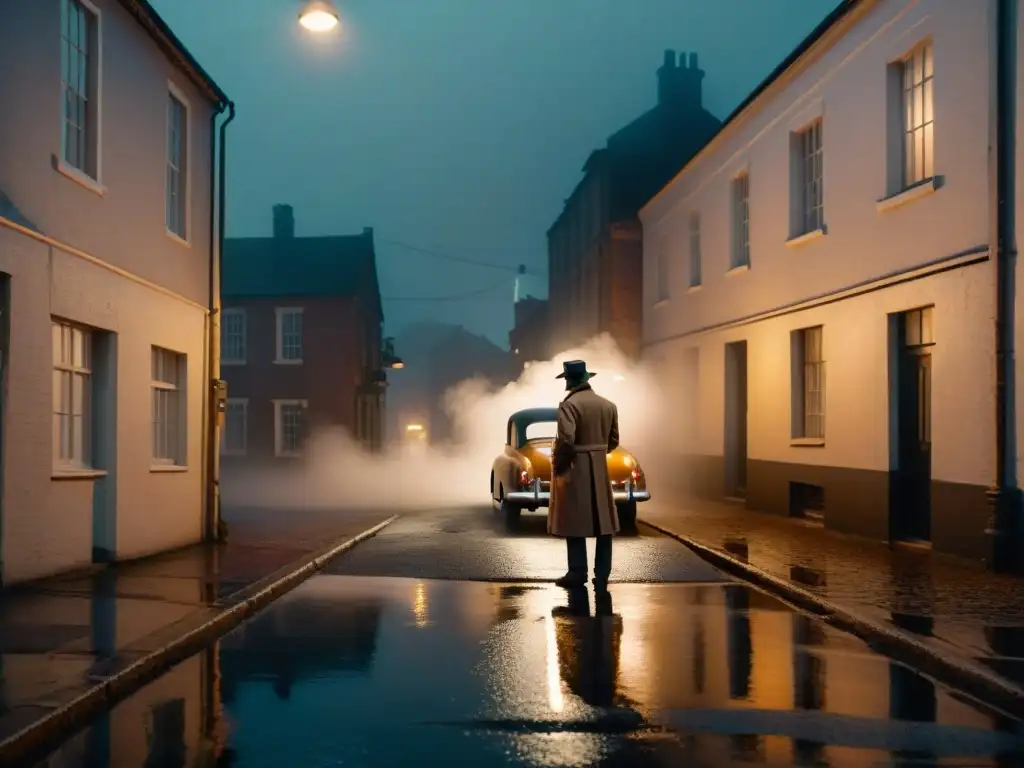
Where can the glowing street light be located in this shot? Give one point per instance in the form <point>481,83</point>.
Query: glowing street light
<point>318,16</point>
<point>413,427</point>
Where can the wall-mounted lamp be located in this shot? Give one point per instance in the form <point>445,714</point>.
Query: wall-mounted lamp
<point>319,16</point>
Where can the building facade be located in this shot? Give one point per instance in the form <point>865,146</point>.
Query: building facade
<point>820,283</point>
<point>528,340</point>
<point>301,342</point>
<point>595,250</point>
<point>106,222</point>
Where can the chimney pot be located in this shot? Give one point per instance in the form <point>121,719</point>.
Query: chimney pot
<point>682,59</point>
<point>368,232</point>
<point>284,221</point>
<point>693,61</point>
<point>670,58</point>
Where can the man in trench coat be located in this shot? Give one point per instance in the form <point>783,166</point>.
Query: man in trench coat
<point>581,503</point>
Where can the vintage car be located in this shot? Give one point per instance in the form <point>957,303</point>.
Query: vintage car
<point>521,475</point>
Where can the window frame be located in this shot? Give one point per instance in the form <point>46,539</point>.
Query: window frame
<point>280,313</point>
<point>739,253</point>
<point>176,423</point>
<point>175,94</point>
<point>810,147</point>
<point>279,406</point>
<point>234,312</point>
<point>909,86</point>
<point>89,170</point>
<point>809,378</point>
<point>85,371</point>
<point>225,448</point>
<point>696,277</point>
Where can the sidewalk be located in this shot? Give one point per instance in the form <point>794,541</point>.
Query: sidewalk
<point>951,605</point>
<point>62,637</point>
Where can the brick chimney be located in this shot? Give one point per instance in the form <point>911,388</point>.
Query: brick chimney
<point>284,222</point>
<point>679,85</point>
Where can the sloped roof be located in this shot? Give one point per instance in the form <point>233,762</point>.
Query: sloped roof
<point>257,267</point>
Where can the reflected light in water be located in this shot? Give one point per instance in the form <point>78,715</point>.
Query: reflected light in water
<point>419,606</point>
<point>555,699</point>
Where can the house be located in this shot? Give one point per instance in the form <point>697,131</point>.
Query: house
<point>594,247</point>
<point>821,281</point>
<point>107,284</point>
<point>301,342</point>
<point>528,339</point>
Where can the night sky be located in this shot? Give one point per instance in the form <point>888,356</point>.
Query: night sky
<point>454,126</point>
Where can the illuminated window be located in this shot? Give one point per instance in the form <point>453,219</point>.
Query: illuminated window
<point>168,390</point>
<point>740,256</point>
<point>810,189</point>
<point>72,395</point>
<point>918,115</point>
<point>809,378</point>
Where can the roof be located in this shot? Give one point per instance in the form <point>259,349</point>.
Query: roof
<point>834,17</point>
<point>256,267</point>
<point>174,49</point>
<point>533,415</point>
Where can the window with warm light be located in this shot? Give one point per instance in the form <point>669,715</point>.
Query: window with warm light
<point>80,41</point>
<point>740,255</point>
<point>808,187</point>
<point>168,407</point>
<point>72,395</point>
<point>916,73</point>
<point>289,335</point>
<point>695,256</point>
<point>809,384</point>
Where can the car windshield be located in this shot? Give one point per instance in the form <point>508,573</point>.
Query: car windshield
<point>540,430</point>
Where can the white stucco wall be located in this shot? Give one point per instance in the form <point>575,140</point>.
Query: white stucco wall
<point>107,262</point>
<point>843,81</point>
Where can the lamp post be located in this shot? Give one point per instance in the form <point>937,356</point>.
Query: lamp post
<point>319,16</point>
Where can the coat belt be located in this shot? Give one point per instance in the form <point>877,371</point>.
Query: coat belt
<point>597,447</point>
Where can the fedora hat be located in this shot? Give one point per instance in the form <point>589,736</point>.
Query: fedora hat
<point>575,369</point>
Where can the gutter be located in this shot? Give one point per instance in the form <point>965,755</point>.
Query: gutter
<point>211,466</point>
<point>1003,530</point>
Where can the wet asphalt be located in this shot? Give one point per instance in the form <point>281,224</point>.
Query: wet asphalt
<point>442,642</point>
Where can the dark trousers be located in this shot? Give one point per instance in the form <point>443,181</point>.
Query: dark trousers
<point>577,548</point>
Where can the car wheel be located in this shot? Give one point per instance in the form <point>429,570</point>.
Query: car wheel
<point>627,515</point>
<point>510,512</point>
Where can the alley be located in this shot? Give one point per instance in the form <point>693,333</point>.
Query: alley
<point>443,636</point>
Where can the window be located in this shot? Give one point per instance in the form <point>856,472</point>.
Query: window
<point>232,337</point>
<point>236,427</point>
<point>740,221</point>
<point>810,190</point>
<point>663,272</point>
<point>168,383</point>
<point>72,395</point>
<point>809,375</point>
<point>695,266</point>
<point>177,160</point>
<point>289,427</point>
<point>79,81</point>
<point>918,324</point>
<point>289,335</point>
<point>918,116</point>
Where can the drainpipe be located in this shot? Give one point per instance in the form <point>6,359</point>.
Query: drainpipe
<point>217,178</point>
<point>1005,497</point>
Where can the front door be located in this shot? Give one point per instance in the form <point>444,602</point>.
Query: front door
<point>736,419</point>
<point>912,502</point>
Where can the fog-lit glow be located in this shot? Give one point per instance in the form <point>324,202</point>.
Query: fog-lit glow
<point>319,16</point>
<point>413,474</point>
<point>413,427</point>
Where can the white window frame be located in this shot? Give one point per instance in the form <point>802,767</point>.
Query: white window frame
<point>182,169</point>
<point>917,115</point>
<point>279,406</point>
<point>809,375</point>
<point>86,171</point>
<point>696,265</point>
<point>234,313</point>
<point>242,404</point>
<point>280,313</point>
<point>739,257</point>
<point>172,394</point>
<point>67,369</point>
<point>811,192</point>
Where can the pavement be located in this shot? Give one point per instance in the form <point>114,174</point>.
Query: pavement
<point>950,605</point>
<point>63,639</point>
<point>437,642</point>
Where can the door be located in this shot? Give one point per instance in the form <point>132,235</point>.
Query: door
<point>912,503</point>
<point>736,419</point>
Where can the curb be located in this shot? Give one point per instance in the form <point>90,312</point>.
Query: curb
<point>36,739</point>
<point>958,673</point>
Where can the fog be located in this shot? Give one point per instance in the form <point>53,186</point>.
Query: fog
<point>338,474</point>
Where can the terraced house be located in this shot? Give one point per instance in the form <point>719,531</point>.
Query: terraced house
<point>826,282</point>
<point>107,235</point>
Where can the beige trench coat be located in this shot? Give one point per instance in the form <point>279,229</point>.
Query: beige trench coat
<point>588,430</point>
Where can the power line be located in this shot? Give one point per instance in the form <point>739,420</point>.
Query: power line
<point>457,297</point>
<point>459,259</point>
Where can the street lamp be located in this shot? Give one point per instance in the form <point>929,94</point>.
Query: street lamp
<point>318,16</point>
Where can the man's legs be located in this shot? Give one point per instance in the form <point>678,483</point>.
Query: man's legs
<point>602,560</point>
<point>576,549</point>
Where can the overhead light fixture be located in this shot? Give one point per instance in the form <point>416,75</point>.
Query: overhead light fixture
<point>319,16</point>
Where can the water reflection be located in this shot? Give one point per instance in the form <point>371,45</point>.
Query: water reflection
<point>350,671</point>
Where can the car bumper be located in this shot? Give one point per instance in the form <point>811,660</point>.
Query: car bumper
<point>535,496</point>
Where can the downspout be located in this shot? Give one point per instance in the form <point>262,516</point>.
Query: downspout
<point>217,198</point>
<point>1005,496</point>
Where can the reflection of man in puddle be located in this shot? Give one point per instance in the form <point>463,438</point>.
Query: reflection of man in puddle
<point>588,648</point>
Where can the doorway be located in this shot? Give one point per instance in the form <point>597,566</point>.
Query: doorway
<point>910,506</point>
<point>736,419</point>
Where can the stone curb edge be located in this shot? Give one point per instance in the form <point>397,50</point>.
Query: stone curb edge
<point>45,732</point>
<point>973,680</point>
